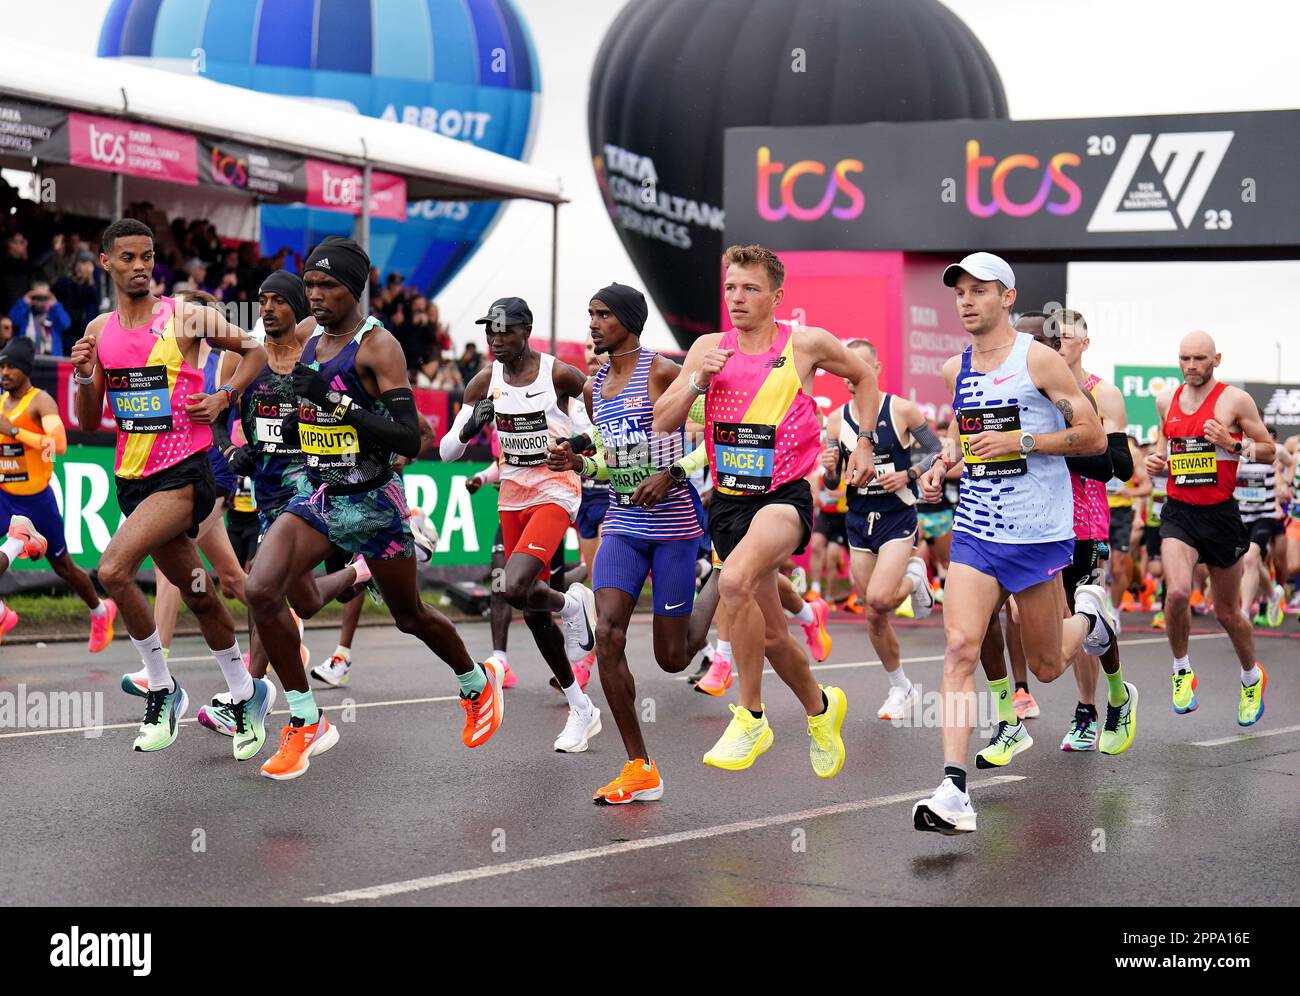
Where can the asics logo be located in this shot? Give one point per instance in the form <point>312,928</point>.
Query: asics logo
<point>245,744</point>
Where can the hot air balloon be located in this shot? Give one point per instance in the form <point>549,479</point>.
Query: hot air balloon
<point>463,68</point>
<point>672,75</point>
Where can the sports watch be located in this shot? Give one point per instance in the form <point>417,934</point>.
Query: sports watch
<point>677,473</point>
<point>1026,443</point>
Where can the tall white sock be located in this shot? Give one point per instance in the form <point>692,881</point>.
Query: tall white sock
<point>238,680</point>
<point>155,664</point>
<point>1182,664</point>
<point>501,656</point>
<point>577,697</point>
<point>805,615</point>
<point>724,651</point>
<point>1249,678</point>
<point>898,679</point>
<point>572,605</point>
<point>99,609</point>
<point>12,548</point>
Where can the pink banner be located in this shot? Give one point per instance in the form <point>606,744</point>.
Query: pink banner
<point>338,188</point>
<point>131,148</point>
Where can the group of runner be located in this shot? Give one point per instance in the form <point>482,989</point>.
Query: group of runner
<point>326,412</point>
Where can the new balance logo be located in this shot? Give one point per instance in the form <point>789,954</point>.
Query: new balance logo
<point>775,364</point>
<point>1186,163</point>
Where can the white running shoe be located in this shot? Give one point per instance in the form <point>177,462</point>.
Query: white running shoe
<point>580,629</point>
<point>579,729</point>
<point>922,597</point>
<point>423,547</point>
<point>1092,599</point>
<point>898,703</point>
<point>948,811</point>
<point>333,671</point>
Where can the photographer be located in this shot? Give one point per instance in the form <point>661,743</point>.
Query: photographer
<point>40,317</point>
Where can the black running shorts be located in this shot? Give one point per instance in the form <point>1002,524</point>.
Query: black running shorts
<point>730,516</point>
<point>1215,531</point>
<point>195,469</point>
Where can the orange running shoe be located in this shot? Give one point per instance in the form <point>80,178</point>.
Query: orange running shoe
<point>34,544</point>
<point>101,627</point>
<point>1127,604</point>
<point>638,782</point>
<point>483,713</point>
<point>297,745</point>
<point>8,620</point>
<point>819,641</point>
<point>854,604</point>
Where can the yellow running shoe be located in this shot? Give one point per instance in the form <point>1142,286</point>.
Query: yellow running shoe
<point>1250,710</point>
<point>744,739</point>
<point>1121,723</point>
<point>826,746</point>
<point>1185,692</point>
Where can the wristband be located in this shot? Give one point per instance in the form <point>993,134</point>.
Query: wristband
<point>696,389</point>
<point>83,380</point>
<point>589,468</point>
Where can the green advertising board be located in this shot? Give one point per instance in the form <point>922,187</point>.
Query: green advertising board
<point>466,524</point>
<point>1140,387</point>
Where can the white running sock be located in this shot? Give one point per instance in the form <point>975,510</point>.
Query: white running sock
<point>344,652</point>
<point>155,664</point>
<point>898,679</point>
<point>12,548</point>
<point>805,615</point>
<point>501,656</point>
<point>1249,678</point>
<point>99,610</point>
<point>1182,664</point>
<point>572,605</point>
<point>238,680</point>
<point>817,587</point>
<point>724,651</point>
<point>577,697</point>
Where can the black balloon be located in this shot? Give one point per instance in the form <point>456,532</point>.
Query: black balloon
<point>672,75</point>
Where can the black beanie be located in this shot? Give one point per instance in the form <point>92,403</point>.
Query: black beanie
<point>288,286</point>
<point>627,304</point>
<point>21,353</point>
<point>343,260</point>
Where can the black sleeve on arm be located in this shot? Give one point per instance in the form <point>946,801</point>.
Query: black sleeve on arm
<point>1094,468</point>
<point>401,434</point>
<point>221,431</point>
<point>1121,456</point>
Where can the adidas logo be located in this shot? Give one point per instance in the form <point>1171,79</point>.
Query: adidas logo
<point>323,263</point>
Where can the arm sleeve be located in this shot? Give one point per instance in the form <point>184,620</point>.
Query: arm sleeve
<point>490,473</point>
<point>401,434</point>
<point>696,460</point>
<point>1095,468</point>
<point>1121,457</point>
<point>930,446</point>
<point>221,435</point>
<point>450,447</point>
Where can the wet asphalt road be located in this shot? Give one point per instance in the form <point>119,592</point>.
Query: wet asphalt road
<point>1196,813</point>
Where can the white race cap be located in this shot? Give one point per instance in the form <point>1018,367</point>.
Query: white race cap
<point>981,266</point>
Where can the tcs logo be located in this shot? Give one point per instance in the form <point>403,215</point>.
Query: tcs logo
<point>724,436</point>
<point>228,169</point>
<point>970,423</point>
<point>1053,175</point>
<point>837,183</point>
<point>106,147</point>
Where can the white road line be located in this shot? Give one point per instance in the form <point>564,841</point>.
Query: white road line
<point>1243,737</point>
<point>191,719</point>
<point>664,840</point>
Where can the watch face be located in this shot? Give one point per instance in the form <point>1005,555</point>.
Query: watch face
<point>333,397</point>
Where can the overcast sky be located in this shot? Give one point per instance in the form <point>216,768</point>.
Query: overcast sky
<point>1058,59</point>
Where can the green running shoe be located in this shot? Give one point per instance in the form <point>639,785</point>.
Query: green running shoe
<point>1121,724</point>
<point>1082,734</point>
<point>1260,620</point>
<point>162,717</point>
<point>250,721</point>
<point>1007,742</point>
<point>1185,692</point>
<point>1250,710</point>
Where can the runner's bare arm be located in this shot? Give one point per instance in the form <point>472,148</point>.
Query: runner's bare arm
<point>195,322</point>
<point>703,360</point>
<point>570,382</point>
<point>831,355</point>
<point>1258,441</point>
<point>663,372</point>
<point>1158,458</point>
<point>52,440</point>
<point>1083,434</point>
<point>90,397</point>
<point>832,458</point>
<point>950,457</point>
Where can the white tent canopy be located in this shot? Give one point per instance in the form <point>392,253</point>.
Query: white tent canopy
<point>435,167</point>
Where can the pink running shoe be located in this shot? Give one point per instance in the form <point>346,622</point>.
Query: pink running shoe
<point>101,627</point>
<point>23,529</point>
<point>819,641</point>
<point>581,671</point>
<point>8,620</point>
<point>508,678</point>
<point>718,679</point>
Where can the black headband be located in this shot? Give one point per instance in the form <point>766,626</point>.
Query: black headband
<point>288,286</point>
<point>627,304</point>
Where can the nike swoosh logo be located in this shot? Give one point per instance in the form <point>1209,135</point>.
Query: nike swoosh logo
<point>669,608</point>
<point>536,394</point>
<point>1054,570</point>
<point>1003,380</point>
<point>542,548</point>
<point>590,644</point>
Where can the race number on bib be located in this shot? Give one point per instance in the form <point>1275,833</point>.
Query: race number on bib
<point>1193,461</point>
<point>884,466</point>
<point>1006,420</point>
<point>329,445</point>
<point>140,398</point>
<point>745,454</point>
<point>270,433</point>
<point>13,463</point>
<point>625,480</point>
<point>524,438</point>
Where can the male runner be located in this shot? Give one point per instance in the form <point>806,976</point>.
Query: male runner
<point>355,410</point>
<point>144,355</point>
<point>1206,428</point>
<point>763,440</point>
<point>527,394</point>
<point>652,524</point>
<point>1019,412</point>
<point>1260,506</point>
<point>31,435</point>
<point>882,520</point>
<point>595,494</point>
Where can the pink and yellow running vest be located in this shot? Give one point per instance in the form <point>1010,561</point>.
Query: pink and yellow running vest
<point>148,384</point>
<point>1091,511</point>
<point>761,428</point>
